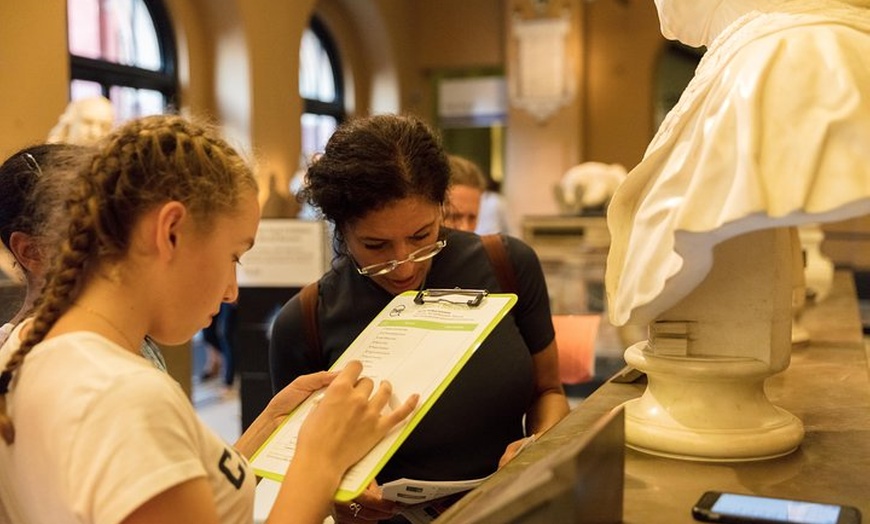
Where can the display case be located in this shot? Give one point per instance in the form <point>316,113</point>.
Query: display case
<point>573,253</point>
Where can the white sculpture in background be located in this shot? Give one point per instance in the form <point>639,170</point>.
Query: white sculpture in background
<point>772,132</point>
<point>589,185</point>
<point>84,121</point>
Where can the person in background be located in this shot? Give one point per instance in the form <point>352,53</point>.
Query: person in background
<point>382,182</point>
<point>493,216</point>
<point>35,182</point>
<point>466,186</point>
<point>26,206</point>
<point>219,336</point>
<point>158,220</point>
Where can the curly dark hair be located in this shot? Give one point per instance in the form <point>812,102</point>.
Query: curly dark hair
<point>372,162</point>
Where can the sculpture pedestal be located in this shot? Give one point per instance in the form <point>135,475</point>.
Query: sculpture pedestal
<point>707,409</point>
<point>707,358</point>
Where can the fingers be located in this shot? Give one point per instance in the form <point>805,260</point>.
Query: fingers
<point>514,448</point>
<point>356,512</point>
<point>351,372</point>
<point>401,413</point>
<point>377,398</point>
<point>369,506</point>
<point>382,396</point>
<point>313,381</point>
<point>365,386</point>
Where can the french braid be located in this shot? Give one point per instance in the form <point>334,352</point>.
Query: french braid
<point>143,164</point>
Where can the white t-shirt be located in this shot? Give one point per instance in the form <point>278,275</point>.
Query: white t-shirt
<point>492,217</point>
<point>99,431</point>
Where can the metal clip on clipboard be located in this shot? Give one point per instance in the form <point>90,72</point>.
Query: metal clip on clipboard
<point>452,296</point>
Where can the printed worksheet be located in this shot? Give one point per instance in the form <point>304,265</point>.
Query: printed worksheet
<point>419,342</point>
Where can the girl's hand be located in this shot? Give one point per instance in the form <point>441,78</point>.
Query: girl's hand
<point>294,393</point>
<point>348,421</point>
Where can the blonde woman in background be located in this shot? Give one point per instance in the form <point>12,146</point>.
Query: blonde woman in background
<point>466,187</point>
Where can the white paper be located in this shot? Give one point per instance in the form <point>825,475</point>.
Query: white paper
<point>410,491</point>
<point>286,253</point>
<point>416,347</point>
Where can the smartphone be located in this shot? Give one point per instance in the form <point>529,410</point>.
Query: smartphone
<point>735,508</point>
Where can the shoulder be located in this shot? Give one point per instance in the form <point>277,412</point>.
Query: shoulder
<point>464,247</point>
<point>798,45</point>
<point>519,248</point>
<point>520,253</point>
<point>103,370</point>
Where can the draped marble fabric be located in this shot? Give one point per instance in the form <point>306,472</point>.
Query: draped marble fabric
<point>773,130</point>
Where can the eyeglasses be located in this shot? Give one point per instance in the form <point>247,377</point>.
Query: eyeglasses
<point>424,253</point>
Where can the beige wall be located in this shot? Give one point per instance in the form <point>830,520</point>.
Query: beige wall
<point>34,83</point>
<point>623,46</point>
<point>238,63</point>
<point>239,58</point>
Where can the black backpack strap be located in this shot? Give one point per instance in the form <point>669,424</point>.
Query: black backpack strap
<point>501,263</point>
<point>308,300</point>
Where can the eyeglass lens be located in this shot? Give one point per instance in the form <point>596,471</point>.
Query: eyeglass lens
<point>424,253</point>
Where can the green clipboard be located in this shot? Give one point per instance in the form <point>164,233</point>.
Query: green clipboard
<point>400,345</point>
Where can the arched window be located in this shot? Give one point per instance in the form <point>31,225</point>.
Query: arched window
<point>321,88</point>
<point>123,50</point>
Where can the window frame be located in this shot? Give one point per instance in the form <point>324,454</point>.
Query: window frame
<point>109,74</point>
<point>335,108</point>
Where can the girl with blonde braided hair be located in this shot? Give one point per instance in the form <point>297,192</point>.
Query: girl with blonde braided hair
<point>93,432</point>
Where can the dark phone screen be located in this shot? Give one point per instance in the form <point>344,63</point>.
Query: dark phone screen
<point>778,510</point>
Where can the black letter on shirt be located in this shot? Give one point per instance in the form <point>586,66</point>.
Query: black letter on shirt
<point>234,480</point>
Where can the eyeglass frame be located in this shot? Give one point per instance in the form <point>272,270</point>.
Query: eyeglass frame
<point>391,265</point>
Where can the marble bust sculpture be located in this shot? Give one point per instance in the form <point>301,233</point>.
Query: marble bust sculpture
<point>84,121</point>
<point>771,133</point>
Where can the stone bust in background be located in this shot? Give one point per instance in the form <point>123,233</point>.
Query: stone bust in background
<point>84,121</point>
<point>772,131</point>
<point>588,187</point>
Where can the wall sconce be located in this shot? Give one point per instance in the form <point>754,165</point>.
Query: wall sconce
<point>543,78</point>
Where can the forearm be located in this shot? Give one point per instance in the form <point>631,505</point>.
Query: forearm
<point>306,493</point>
<point>257,433</point>
<point>548,409</point>
<point>551,404</point>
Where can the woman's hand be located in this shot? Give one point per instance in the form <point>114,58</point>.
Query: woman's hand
<point>513,449</point>
<point>370,506</point>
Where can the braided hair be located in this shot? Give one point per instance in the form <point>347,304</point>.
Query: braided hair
<point>141,165</point>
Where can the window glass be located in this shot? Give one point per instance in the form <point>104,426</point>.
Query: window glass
<point>84,89</point>
<point>316,80</point>
<point>84,27</point>
<point>118,31</point>
<point>316,130</point>
<point>123,50</point>
<point>130,102</point>
<point>320,86</point>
